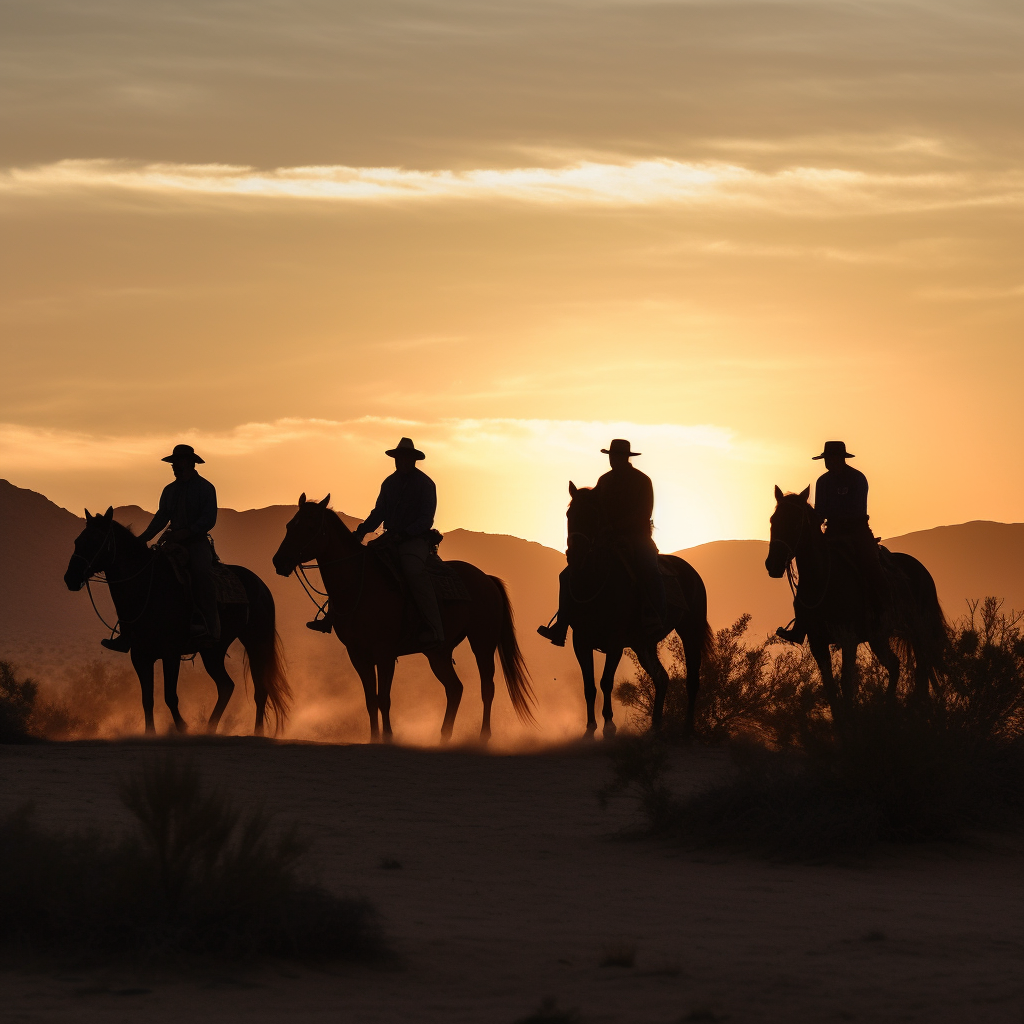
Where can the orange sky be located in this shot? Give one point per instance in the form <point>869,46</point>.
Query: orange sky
<point>292,233</point>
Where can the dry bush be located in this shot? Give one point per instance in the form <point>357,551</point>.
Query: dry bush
<point>768,692</point>
<point>892,771</point>
<point>17,701</point>
<point>200,876</point>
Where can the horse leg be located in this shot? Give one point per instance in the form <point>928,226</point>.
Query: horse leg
<point>585,656</point>
<point>693,645</point>
<point>651,664</point>
<point>213,662</point>
<point>850,673</point>
<point>368,677</point>
<point>385,676</point>
<point>172,664</point>
<point>611,663</point>
<point>889,661</point>
<point>440,659</point>
<point>823,656</point>
<point>485,666</point>
<point>143,665</point>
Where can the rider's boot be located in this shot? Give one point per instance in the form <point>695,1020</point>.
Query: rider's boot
<point>121,643</point>
<point>555,631</point>
<point>323,625</point>
<point>793,635</point>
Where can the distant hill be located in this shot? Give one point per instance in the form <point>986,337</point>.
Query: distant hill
<point>44,627</point>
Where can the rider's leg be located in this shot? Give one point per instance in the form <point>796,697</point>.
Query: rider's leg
<point>795,634</point>
<point>413,555</point>
<point>557,631</point>
<point>204,594</point>
<point>323,625</point>
<point>652,587</point>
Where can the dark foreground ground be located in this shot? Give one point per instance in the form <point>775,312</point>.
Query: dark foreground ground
<point>514,887</point>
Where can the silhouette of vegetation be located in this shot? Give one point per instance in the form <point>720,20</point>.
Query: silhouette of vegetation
<point>891,771</point>
<point>198,877</point>
<point>549,1012</point>
<point>17,700</point>
<point>768,693</point>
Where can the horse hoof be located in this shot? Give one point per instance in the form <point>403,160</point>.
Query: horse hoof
<point>609,729</point>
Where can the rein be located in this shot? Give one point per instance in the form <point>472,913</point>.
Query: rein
<point>91,576</point>
<point>597,593</point>
<point>309,588</point>
<point>794,580</point>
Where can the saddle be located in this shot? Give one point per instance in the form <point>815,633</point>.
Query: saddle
<point>227,586</point>
<point>444,578</point>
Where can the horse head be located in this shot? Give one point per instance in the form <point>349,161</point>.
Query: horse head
<point>95,548</point>
<point>305,535</point>
<point>793,521</point>
<point>586,521</point>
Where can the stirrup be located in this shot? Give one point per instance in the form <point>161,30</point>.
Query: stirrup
<point>553,633</point>
<point>120,643</point>
<point>791,636</point>
<point>323,625</point>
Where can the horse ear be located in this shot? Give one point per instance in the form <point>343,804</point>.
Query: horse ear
<point>778,493</point>
<point>327,498</point>
<point>806,492</point>
<point>302,498</point>
<point>88,515</point>
<point>572,488</point>
<point>109,514</point>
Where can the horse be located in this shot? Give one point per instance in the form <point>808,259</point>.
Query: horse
<point>369,611</point>
<point>832,603</point>
<point>155,610</point>
<point>604,610</point>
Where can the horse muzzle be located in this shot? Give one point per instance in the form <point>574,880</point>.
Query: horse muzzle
<point>777,560</point>
<point>74,581</point>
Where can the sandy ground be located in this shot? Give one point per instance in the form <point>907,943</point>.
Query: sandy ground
<point>515,886</point>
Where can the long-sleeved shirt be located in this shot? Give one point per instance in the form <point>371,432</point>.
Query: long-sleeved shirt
<point>406,504</point>
<point>628,499</point>
<point>841,496</point>
<point>186,504</point>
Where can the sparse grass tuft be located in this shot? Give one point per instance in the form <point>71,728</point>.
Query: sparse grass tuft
<point>200,877</point>
<point>889,772</point>
<point>549,1012</point>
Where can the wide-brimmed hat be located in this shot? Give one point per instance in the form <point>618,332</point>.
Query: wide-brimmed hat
<point>405,447</point>
<point>182,451</point>
<point>619,446</point>
<point>835,449</point>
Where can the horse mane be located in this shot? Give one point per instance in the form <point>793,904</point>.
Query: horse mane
<point>127,533</point>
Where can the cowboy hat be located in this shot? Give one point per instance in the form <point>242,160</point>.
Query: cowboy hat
<point>619,446</point>
<point>836,449</point>
<point>405,447</point>
<point>182,451</point>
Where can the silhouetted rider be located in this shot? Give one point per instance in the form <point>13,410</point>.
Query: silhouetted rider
<point>627,499</point>
<point>189,506</point>
<point>405,507</point>
<point>841,498</point>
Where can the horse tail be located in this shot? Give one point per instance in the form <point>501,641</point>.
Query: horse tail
<point>707,642</point>
<point>263,653</point>
<point>517,678</point>
<point>935,629</point>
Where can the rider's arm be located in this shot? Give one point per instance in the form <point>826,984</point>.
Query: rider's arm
<point>161,519</point>
<point>376,517</point>
<point>206,513</point>
<point>426,502</point>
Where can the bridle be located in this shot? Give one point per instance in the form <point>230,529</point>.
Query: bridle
<point>301,567</point>
<point>791,575</point>
<point>89,576</point>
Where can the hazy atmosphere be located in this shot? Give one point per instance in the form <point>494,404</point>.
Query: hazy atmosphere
<point>290,232</point>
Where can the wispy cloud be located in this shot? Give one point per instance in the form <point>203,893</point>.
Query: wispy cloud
<point>499,475</point>
<point>639,183</point>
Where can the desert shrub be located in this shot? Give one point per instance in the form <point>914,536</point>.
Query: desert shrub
<point>888,771</point>
<point>17,701</point>
<point>199,876</point>
<point>88,700</point>
<point>768,692</point>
